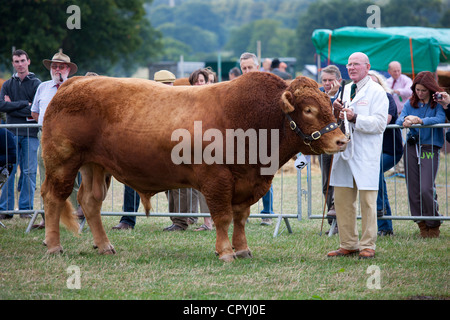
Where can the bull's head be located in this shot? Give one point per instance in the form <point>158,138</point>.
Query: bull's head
<point>310,116</point>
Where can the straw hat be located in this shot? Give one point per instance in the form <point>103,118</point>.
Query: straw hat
<point>61,58</point>
<point>164,76</point>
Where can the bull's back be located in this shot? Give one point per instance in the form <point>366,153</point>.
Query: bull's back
<point>125,125</point>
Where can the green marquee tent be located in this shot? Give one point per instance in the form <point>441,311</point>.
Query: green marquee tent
<point>416,48</point>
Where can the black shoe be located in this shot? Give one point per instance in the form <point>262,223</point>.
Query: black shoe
<point>383,233</point>
<point>6,216</point>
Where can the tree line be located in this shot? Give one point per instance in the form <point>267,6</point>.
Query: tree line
<point>117,36</point>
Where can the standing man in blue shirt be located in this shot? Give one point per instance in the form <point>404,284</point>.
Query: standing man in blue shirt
<point>16,97</point>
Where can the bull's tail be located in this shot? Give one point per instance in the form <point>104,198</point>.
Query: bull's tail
<point>69,219</point>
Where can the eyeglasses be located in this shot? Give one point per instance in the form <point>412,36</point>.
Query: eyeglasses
<point>355,65</point>
<point>59,66</point>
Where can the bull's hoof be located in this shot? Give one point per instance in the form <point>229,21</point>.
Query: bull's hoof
<point>228,257</point>
<point>109,249</point>
<point>55,250</point>
<point>244,254</point>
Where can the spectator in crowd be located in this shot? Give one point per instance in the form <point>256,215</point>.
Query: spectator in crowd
<point>330,77</point>
<point>356,170</point>
<point>391,155</point>
<point>212,76</point>
<point>16,97</point>
<point>275,67</point>
<point>283,66</point>
<point>208,223</point>
<point>234,73</point>
<point>422,151</point>
<point>400,88</point>
<point>61,68</point>
<point>266,65</point>
<point>399,85</point>
<point>249,63</point>
<point>199,77</point>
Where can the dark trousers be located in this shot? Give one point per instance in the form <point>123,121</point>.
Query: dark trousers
<point>422,162</point>
<point>130,204</point>
<point>183,200</point>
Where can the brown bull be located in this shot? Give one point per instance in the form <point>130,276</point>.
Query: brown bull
<point>124,128</point>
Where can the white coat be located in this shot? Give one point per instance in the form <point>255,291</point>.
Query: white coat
<point>363,164</point>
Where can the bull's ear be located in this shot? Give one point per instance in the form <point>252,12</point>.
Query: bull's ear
<point>286,102</point>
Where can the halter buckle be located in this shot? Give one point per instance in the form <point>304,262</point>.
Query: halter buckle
<point>293,125</point>
<point>316,135</point>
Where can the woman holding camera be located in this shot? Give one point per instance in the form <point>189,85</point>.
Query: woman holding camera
<point>422,150</point>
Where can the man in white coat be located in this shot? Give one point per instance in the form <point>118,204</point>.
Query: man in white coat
<point>365,106</point>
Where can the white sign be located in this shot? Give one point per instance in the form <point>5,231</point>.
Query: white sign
<point>301,161</point>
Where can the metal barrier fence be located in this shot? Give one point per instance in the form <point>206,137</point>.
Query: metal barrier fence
<point>294,192</point>
<point>396,186</point>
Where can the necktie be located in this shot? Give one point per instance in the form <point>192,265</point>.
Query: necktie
<point>393,83</point>
<point>353,91</point>
<point>57,86</point>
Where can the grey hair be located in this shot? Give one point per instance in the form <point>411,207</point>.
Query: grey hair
<point>332,69</point>
<point>248,55</point>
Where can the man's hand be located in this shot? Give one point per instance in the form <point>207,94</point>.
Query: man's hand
<point>335,85</point>
<point>7,98</point>
<point>337,107</point>
<point>35,116</point>
<point>350,114</point>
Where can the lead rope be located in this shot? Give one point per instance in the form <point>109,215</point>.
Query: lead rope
<point>348,134</point>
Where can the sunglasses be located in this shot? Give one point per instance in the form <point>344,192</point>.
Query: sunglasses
<point>59,66</point>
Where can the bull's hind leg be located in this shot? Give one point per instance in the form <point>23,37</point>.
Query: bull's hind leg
<point>94,186</point>
<point>240,216</point>
<point>55,190</point>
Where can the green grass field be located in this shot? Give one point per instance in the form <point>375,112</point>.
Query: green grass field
<point>152,264</point>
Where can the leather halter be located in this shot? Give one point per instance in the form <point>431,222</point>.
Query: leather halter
<point>307,139</point>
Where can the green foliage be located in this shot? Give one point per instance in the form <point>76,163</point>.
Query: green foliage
<point>236,24</point>
<point>274,38</point>
<point>112,32</point>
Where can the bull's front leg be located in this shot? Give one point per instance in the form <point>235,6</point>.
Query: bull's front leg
<point>240,216</point>
<point>222,222</point>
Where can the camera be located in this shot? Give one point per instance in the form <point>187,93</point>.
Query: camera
<point>412,139</point>
<point>438,96</point>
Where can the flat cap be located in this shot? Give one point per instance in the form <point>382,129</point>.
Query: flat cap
<point>164,76</point>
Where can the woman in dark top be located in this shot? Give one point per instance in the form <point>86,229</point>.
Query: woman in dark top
<point>392,153</point>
